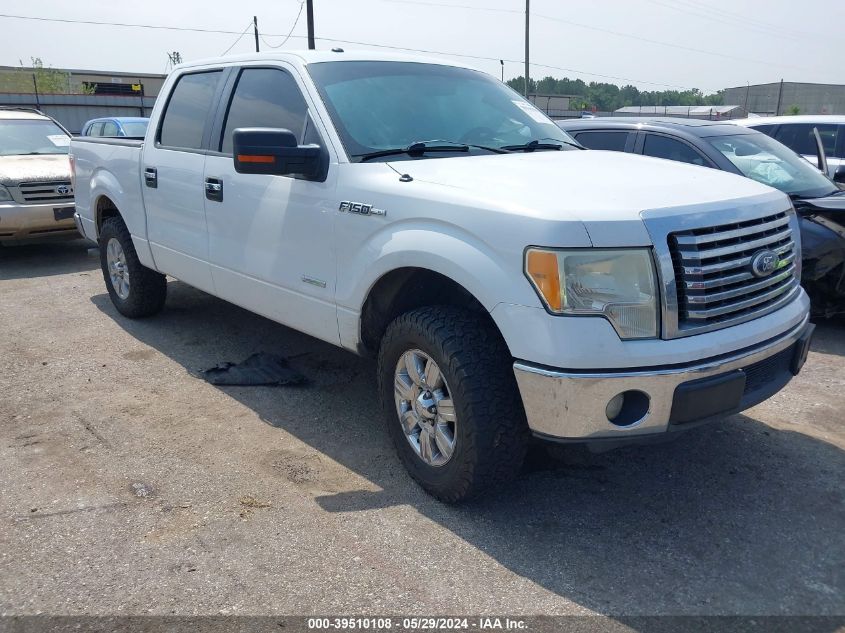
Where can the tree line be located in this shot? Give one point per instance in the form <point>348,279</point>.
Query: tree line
<point>608,97</point>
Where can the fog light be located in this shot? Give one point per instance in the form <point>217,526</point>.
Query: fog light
<point>614,407</point>
<point>629,408</point>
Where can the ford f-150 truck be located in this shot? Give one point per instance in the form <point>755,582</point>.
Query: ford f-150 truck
<point>423,213</point>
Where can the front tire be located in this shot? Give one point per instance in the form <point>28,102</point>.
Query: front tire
<point>135,290</point>
<point>451,402</point>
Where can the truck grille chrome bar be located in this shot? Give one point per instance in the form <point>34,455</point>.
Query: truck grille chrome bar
<point>716,284</point>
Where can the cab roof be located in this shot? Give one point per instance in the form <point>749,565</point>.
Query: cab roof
<point>316,57</point>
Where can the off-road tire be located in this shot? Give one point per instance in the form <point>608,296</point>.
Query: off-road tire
<point>491,430</point>
<point>148,288</point>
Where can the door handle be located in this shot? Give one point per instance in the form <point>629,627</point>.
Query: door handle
<point>214,189</point>
<point>151,177</point>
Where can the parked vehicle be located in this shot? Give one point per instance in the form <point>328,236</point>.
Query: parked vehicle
<point>426,214</point>
<point>796,132</point>
<point>36,196</point>
<point>739,150</point>
<point>125,126</point>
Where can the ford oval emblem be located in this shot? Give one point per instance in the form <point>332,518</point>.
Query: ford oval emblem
<point>764,263</point>
<point>64,190</point>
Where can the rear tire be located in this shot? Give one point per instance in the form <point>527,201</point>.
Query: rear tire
<point>135,290</point>
<point>483,415</point>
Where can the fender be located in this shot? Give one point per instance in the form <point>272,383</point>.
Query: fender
<point>490,276</point>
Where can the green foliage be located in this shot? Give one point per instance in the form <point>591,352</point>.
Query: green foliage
<point>608,97</point>
<point>793,110</point>
<point>47,80</point>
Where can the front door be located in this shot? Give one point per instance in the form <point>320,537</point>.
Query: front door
<point>271,237</point>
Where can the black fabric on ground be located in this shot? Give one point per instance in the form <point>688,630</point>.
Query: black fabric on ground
<point>259,369</point>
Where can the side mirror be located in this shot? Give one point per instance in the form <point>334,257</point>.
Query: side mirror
<point>275,151</point>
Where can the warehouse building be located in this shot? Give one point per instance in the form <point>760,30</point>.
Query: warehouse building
<point>788,97</point>
<point>73,97</point>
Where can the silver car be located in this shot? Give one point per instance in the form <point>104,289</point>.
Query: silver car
<point>36,194</point>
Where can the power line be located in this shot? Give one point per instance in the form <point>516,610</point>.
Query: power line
<point>343,41</point>
<point>608,31</point>
<point>712,15</point>
<point>745,19</point>
<point>248,27</point>
<point>287,37</point>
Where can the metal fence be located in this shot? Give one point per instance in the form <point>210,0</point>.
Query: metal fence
<point>73,110</point>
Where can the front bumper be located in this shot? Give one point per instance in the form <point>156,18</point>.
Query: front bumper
<point>36,221</point>
<point>570,406</point>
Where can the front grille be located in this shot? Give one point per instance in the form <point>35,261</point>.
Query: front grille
<point>59,190</point>
<point>714,282</point>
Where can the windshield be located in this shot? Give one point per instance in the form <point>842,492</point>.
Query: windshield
<point>135,128</point>
<point>31,136</point>
<point>379,106</point>
<point>765,160</point>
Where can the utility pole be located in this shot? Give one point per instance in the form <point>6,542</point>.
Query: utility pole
<point>310,17</point>
<point>526,47</point>
<point>255,31</point>
<point>780,98</point>
<point>502,62</point>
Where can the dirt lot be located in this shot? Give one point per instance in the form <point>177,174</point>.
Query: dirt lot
<point>131,486</point>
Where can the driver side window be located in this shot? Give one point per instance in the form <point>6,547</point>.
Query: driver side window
<point>266,97</point>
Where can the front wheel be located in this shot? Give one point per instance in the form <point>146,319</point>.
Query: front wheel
<point>135,290</point>
<point>451,401</point>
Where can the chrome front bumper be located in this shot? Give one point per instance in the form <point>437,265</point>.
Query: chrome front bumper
<point>570,406</point>
<point>36,221</point>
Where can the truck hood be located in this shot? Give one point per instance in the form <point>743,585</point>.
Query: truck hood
<point>47,167</point>
<point>583,185</point>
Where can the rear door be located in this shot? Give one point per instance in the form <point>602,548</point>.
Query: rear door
<point>271,241</point>
<point>173,179</point>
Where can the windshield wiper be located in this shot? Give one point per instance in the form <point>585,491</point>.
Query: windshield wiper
<point>419,148</point>
<point>530,146</point>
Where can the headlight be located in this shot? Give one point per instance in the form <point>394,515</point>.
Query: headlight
<point>5,196</point>
<point>618,284</point>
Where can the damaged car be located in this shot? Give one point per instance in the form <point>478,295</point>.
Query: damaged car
<point>744,151</point>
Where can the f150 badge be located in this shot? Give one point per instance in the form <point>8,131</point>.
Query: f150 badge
<point>360,208</point>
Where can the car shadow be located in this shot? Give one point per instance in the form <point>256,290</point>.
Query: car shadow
<point>829,337</point>
<point>734,518</point>
<point>47,258</point>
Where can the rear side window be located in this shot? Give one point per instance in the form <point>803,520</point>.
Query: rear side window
<point>614,141</point>
<point>110,128</point>
<point>187,110</point>
<point>265,97</point>
<point>799,137</point>
<point>96,129</point>
<point>665,147</point>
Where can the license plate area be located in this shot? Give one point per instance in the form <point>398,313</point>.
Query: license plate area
<point>63,213</point>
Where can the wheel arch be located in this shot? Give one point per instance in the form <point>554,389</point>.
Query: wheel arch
<point>404,289</point>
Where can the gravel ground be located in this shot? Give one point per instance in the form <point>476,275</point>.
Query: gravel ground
<point>130,486</point>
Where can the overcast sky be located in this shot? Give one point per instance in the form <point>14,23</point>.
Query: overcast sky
<point>653,44</point>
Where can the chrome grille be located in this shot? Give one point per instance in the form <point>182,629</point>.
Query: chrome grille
<point>714,283</point>
<point>59,190</point>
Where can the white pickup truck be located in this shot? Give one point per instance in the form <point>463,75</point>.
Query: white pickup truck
<point>509,282</point>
